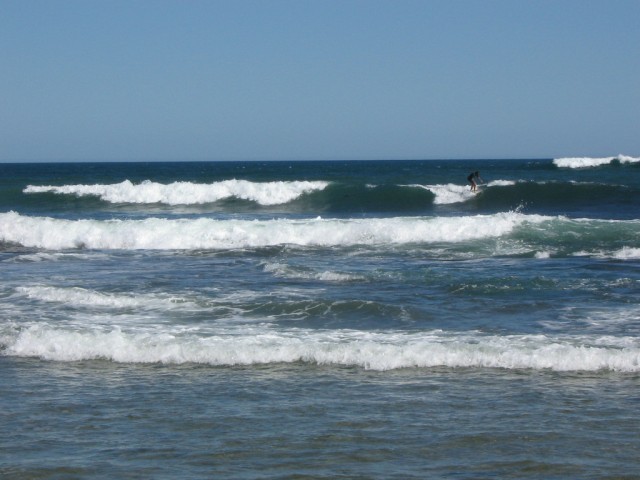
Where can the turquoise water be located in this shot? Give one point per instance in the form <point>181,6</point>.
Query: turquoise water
<point>320,319</point>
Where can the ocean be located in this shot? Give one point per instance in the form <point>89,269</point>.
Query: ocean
<point>337,319</point>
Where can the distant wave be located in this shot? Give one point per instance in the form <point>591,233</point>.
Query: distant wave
<point>339,198</point>
<point>381,351</point>
<point>188,193</point>
<point>587,162</point>
<point>268,193</point>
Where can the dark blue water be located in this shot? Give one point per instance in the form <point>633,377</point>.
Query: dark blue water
<point>320,319</point>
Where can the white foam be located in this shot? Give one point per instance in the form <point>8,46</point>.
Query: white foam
<point>627,253</point>
<point>207,233</point>
<point>449,193</point>
<point>285,271</point>
<point>501,183</point>
<point>627,159</point>
<point>589,162</point>
<point>452,193</point>
<point>187,193</point>
<point>56,256</point>
<point>76,296</point>
<point>369,350</point>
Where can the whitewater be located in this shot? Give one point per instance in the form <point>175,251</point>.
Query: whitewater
<point>187,193</point>
<point>591,162</point>
<point>371,319</point>
<point>162,234</point>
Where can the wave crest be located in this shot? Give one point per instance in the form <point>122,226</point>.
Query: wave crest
<point>206,233</point>
<point>589,162</point>
<point>187,193</point>
<point>452,193</point>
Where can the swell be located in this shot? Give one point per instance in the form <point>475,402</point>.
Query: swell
<point>303,197</point>
<point>15,199</point>
<point>556,196</point>
<point>339,198</point>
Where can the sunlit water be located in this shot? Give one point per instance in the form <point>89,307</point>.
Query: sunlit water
<point>292,319</point>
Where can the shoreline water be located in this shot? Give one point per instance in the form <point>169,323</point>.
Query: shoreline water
<point>98,419</point>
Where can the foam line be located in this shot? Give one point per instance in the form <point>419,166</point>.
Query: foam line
<point>81,297</point>
<point>370,350</point>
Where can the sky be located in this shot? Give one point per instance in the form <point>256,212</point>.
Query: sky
<point>116,80</point>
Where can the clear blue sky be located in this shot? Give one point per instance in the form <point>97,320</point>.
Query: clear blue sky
<point>318,79</point>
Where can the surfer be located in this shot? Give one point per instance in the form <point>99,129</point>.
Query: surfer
<point>472,180</point>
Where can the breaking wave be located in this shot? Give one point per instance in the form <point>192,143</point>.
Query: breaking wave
<point>370,350</point>
<point>452,193</point>
<point>336,198</point>
<point>206,233</point>
<point>187,193</point>
<point>518,233</point>
<point>588,162</point>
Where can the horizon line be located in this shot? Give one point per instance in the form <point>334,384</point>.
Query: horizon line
<point>430,159</point>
